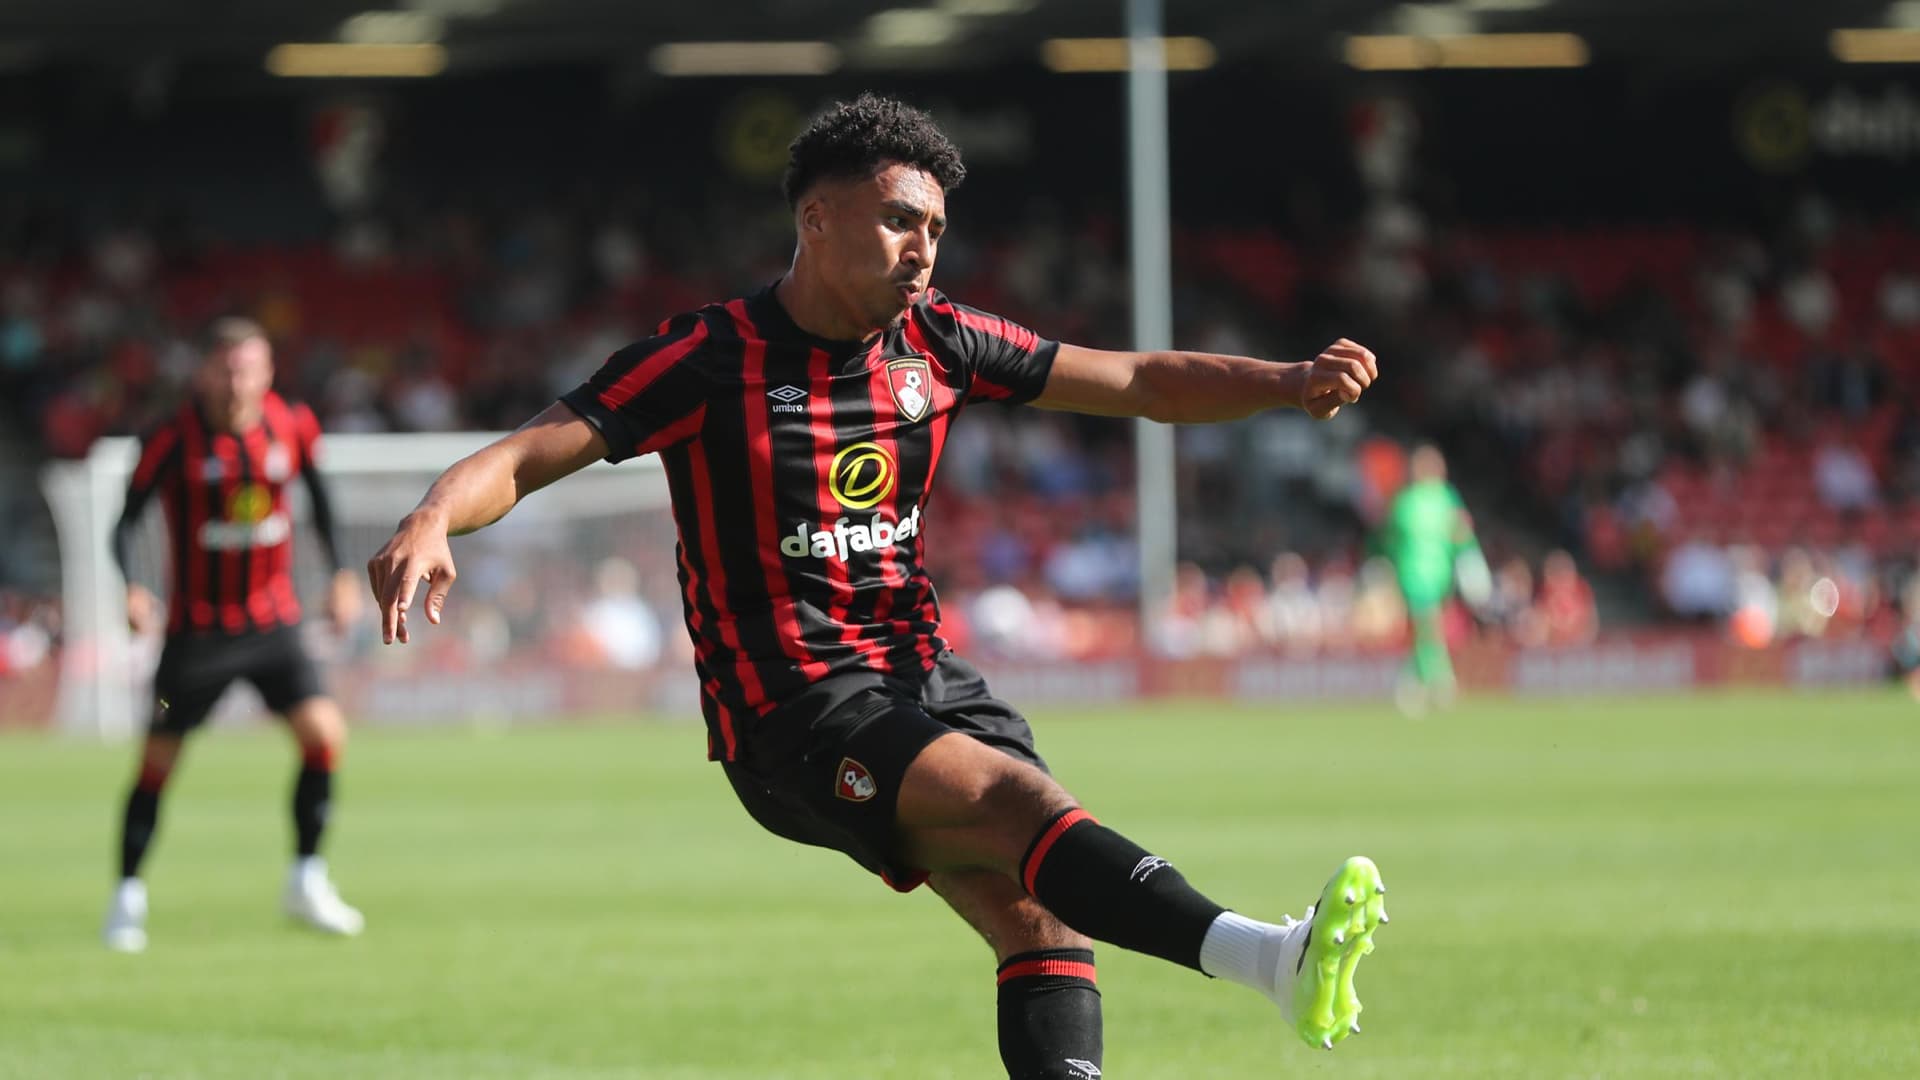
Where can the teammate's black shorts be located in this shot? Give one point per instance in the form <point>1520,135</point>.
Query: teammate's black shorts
<point>825,768</point>
<point>195,669</point>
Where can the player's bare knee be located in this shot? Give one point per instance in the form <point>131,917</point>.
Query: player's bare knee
<point>318,727</point>
<point>1024,798</point>
<point>158,757</point>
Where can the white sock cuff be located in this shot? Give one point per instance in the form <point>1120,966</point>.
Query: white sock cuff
<point>1232,948</point>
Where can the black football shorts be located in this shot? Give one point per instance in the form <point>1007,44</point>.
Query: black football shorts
<point>195,669</point>
<point>825,768</point>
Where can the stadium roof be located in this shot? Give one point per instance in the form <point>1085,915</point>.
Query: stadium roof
<point>479,34</point>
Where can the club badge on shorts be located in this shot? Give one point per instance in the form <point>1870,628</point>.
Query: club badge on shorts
<point>911,381</point>
<point>853,782</point>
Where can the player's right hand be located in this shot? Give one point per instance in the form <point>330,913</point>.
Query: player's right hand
<point>143,609</point>
<point>1338,377</point>
<point>418,550</point>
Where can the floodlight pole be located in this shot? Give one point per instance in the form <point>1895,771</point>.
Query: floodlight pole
<point>1152,254</point>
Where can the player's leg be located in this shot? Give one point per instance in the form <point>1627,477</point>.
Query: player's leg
<point>187,685</point>
<point>158,756</point>
<point>290,685</point>
<point>1426,679</point>
<point>964,805</point>
<point>1048,998</point>
<point>321,735</point>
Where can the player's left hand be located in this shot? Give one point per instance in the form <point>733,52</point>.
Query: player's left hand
<point>1338,376</point>
<point>343,600</point>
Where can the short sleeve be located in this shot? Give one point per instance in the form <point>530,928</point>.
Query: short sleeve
<point>157,457</point>
<point>650,395</point>
<point>306,434</point>
<point>1004,361</point>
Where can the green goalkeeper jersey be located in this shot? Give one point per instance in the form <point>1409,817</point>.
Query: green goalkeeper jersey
<point>1426,530</point>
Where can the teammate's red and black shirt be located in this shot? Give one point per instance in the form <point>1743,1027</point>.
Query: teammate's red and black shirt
<point>227,515</point>
<point>799,470</point>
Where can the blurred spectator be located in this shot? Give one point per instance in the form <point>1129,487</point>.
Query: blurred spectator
<point>1566,609</point>
<point>1182,628</point>
<point>1510,610</point>
<point>1755,602</point>
<point>1240,621</point>
<point>1293,609</point>
<point>1843,477</point>
<point>618,621</point>
<point>1379,618</point>
<point>1804,608</point>
<point>1698,581</point>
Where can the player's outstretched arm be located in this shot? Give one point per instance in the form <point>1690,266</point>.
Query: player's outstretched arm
<point>476,492</point>
<point>1195,388</point>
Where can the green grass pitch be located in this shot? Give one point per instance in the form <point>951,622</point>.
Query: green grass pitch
<point>1720,886</point>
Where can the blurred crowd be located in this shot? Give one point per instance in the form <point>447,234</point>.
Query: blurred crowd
<point>1294,607</point>
<point>1705,412</point>
<point>1729,418</point>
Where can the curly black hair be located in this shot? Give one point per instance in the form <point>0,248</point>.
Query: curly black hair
<point>855,139</point>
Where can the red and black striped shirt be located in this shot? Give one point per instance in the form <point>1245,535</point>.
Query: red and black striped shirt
<point>231,531</point>
<point>799,470</point>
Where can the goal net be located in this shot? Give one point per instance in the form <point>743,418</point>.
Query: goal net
<point>568,607</point>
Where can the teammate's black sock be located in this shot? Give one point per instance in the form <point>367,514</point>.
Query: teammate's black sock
<point>1110,889</point>
<point>1050,1016</point>
<point>137,824</point>
<point>312,799</point>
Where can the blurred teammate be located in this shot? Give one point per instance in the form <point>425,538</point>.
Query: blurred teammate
<point>221,466</point>
<point>1429,537</point>
<point>800,427</point>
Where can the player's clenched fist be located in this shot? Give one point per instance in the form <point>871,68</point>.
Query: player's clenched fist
<point>1338,376</point>
<point>418,550</point>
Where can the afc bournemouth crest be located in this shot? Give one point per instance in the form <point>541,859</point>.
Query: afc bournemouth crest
<point>853,782</point>
<point>911,381</point>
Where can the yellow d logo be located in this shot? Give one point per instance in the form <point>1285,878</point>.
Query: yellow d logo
<point>250,503</point>
<point>862,475</point>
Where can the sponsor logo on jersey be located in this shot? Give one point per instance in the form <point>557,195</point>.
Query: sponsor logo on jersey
<point>911,381</point>
<point>787,399</point>
<point>845,536</point>
<point>218,535</point>
<point>853,782</point>
<point>250,521</point>
<point>249,503</point>
<point>862,475</point>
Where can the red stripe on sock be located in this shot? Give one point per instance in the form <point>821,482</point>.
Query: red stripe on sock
<point>152,779</point>
<point>1073,969</point>
<point>1031,871</point>
<point>319,757</point>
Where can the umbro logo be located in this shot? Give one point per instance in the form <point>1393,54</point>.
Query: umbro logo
<point>1144,869</point>
<point>788,399</point>
<point>1083,1069</point>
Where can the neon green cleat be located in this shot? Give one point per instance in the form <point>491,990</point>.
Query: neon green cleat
<point>1323,950</point>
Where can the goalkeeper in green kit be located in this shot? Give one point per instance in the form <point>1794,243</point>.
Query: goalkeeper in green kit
<point>1429,538</point>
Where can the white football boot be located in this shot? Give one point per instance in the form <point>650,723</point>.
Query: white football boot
<point>126,926</point>
<point>312,899</point>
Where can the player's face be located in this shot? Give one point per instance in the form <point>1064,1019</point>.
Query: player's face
<point>879,238</point>
<point>236,379</point>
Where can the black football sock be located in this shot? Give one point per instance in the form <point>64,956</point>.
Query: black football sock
<point>138,822</point>
<point>312,799</point>
<point>1050,1016</point>
<point>1112,890</point>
